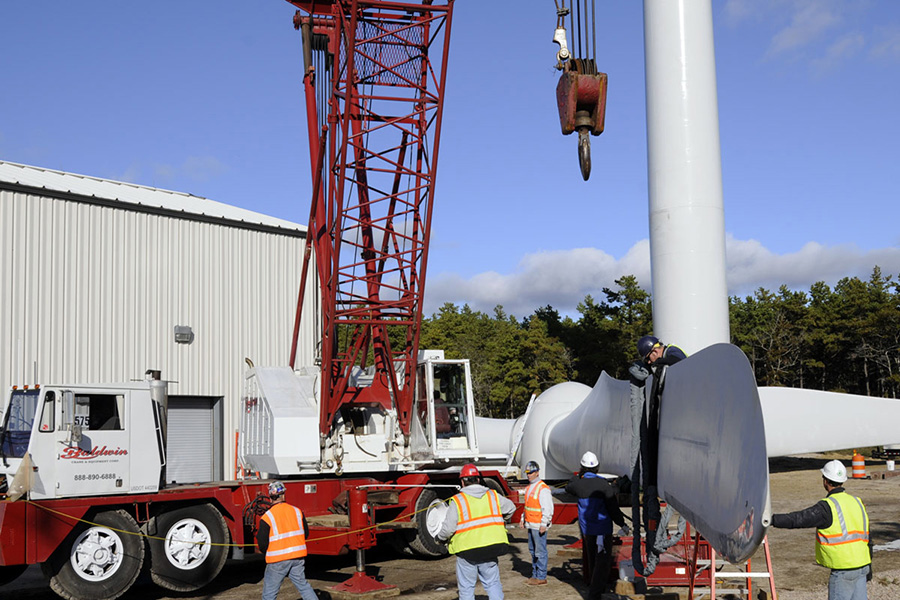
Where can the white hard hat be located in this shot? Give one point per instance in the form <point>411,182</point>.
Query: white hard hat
<point>434,517</point>
<point>834,471</point>
<point>589,460</point>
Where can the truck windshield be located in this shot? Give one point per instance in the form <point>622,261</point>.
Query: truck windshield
<point>18,422</point>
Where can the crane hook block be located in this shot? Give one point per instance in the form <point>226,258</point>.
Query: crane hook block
<point>581,99</point>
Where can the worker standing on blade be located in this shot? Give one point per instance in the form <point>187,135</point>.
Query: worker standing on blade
<point>475,526</point>
<point>536,519</point>
<point>842,535</point>
<point>597,510</point>
<point>282,538</point>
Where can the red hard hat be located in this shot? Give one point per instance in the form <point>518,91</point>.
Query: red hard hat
<point>469,470</point>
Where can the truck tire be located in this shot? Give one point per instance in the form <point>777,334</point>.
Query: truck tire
<point>495,485</point>
<point>421,542</point>
<point>189,549</point>
<point>97,561</point>
<point>9,573</point>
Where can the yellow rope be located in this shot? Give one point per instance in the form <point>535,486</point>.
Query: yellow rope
<point>252,545</point>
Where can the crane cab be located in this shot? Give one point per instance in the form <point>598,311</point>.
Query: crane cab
<point>445,406</point>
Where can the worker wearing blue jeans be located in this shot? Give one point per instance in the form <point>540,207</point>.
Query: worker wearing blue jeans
<point>282,538</point>
<point>468,574</point>
<point>293,569</point>
<point>475,527</point>
<point>842,534</point>
<point>536,519</point>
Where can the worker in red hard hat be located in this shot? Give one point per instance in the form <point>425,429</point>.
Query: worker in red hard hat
<point>598,508</point>
<point>475,527</point>
<point>842,534</point>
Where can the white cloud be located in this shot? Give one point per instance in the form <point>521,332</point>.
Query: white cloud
<point>841,50</point>
<point>751,265</point>
<point>193,168</point>
<point>202,168</point>
<point>739,10</point>
<point>887,44</point>
<point>562,278</point>
<point>809,23</point>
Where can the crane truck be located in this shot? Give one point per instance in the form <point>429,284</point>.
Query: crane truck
<point>82,474</point>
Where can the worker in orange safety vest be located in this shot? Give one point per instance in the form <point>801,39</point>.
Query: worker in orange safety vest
<point>536,519</point>
<point>475,527</point>
<point>282,538</point>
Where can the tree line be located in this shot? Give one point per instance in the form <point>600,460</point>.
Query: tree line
<point>842,339</point>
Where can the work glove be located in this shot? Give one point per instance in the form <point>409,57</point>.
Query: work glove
<point>638,373</point>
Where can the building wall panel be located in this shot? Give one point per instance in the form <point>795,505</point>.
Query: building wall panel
<point>93,293</point>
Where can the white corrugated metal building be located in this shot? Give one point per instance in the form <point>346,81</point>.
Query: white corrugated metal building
<point>97,275</point>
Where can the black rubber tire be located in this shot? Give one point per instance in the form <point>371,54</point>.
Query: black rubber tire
<point>422,543</point>
<point>108,557</point>
<point>493,484</point>
<point>178,560</point>
<point>8,574</point>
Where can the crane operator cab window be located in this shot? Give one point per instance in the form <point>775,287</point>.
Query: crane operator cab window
<point>450,400</point>
<point>448,408</point>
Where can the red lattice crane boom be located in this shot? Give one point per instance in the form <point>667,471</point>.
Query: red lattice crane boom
<point>374,80</point>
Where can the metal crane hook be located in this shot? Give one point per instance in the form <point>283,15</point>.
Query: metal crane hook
<point>584,152</point>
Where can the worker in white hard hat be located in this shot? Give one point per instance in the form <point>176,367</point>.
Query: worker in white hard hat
<point>842,535</point>
<point>282,538</point>
<point>598,508</point>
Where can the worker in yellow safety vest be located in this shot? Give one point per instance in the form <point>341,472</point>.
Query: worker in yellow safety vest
<point>536,519</point>
<point>475,526</point>
<point>282,538</point>
<point>842,535</point>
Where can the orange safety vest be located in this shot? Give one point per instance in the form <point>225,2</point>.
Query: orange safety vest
<point>479,522</point>
<point>533,512</point>
<point>286,539</point>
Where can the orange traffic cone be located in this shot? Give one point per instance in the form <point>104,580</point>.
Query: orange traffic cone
<point>859,466</point>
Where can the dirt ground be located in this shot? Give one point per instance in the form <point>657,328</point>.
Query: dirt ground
<point>795,484</point>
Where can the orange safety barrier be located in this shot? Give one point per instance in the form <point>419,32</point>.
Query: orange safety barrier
<point>859,466</point>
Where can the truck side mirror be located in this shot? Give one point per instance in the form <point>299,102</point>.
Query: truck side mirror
<point>69,421</point>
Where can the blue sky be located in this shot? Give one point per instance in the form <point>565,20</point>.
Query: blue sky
<point>206,98</point>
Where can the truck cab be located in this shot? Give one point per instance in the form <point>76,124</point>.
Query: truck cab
<point>63,441</point>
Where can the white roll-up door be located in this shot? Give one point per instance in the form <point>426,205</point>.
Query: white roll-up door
<point>195,443</point>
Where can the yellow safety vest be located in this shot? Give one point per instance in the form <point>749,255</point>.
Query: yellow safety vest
<point>286,539</point>
<point>845,544</point>
<point>533,512</point>
<point>479,522</point>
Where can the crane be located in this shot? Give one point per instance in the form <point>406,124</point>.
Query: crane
<point>374,80</point>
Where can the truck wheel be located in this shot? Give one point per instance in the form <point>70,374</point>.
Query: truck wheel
<point>189,549</point>
<point>99,561</point>
<point>8,574</point>
<point>422,542</point>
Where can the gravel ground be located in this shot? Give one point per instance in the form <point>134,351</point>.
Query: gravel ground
<point>795,484</point>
